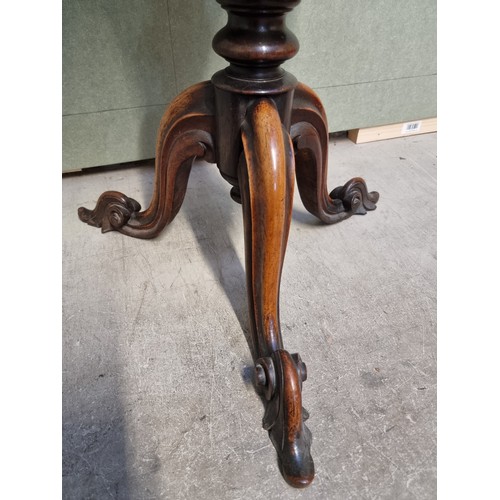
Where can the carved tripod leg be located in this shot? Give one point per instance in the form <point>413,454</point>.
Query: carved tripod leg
<point>266,184</point>
<point>309,132</point>
<point>185,133</point>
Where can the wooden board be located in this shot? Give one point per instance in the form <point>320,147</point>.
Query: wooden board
<point>362,135</point>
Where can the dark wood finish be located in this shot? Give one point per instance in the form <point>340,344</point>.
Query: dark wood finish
<point>309,132</point>
<point>280,378</point>
<point>266,184</point>
<point>256,40</point>
<point>262,129</point>
<point>185,133</point>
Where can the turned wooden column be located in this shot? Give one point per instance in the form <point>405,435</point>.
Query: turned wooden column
<point>264,130</point>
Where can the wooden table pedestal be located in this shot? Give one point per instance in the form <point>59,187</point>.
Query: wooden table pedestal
<point>263,129</point>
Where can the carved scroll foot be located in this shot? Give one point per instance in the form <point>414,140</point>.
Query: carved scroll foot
<point>185,133</point>
<point>309,132</point>
<point>355,197</point>
<point>113,210</point>
<point>280,377</point>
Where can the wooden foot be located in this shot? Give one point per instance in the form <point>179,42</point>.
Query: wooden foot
<point>280,376</point>
<point>186,132</point>
<point>266,185</point>
<point>309,133</point>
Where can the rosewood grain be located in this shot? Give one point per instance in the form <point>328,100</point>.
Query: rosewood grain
<point>309,133</point>
<point>263,129</point>
<point>186,132</point>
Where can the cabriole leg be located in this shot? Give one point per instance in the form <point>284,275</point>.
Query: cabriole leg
<point>185,133</point>
<point>266,185</point>
<point>309,132</point>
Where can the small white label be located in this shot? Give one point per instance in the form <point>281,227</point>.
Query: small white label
<point>411,127</point>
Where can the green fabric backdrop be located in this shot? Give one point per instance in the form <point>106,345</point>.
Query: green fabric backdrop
<point>371,62</point>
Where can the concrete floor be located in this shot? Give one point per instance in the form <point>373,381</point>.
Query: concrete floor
<point>158,401</point>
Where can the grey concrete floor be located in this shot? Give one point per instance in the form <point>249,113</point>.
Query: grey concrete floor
<point>158,401</point>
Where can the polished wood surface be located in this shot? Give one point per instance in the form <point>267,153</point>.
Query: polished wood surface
<point>266,183</point>
<point>186,132</point>
<point>309,132</point>
<point>262,128</point>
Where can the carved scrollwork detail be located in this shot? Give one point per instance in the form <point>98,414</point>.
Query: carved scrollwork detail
<point>113,210</point>
<point>355,196</point>
<point>280,378</point>
<point>310,135</point>
<point>185,133</point>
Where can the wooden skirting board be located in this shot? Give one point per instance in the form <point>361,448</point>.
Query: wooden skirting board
<point>361,135</point>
